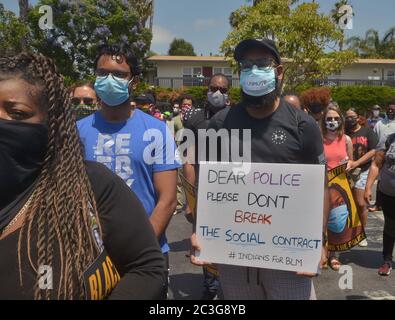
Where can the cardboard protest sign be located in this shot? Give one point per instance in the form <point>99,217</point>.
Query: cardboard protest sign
<point>345,229</point>
<point>191,196</point>
<point>269,216</point>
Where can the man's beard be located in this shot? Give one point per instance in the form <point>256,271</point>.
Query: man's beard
<point>265,101</point>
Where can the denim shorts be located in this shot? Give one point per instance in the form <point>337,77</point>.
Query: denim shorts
<point>361,182</point>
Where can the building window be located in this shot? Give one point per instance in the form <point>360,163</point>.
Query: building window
<point>391,75</point>
<point>191,71</point>
<point>197,71</point>
<point>217,70</point>
<point>226,71</point>
<point>187,72</point>
<point>191,75</point>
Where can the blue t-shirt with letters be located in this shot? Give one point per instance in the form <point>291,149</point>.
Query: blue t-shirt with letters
<point>134,150</point>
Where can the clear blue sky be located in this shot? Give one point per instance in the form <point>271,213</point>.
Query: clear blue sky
<point>205,23</point>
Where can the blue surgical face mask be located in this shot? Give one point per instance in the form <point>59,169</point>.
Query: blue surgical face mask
<point>338,219</point>
<point>258,82</point>
<point>113,91</point>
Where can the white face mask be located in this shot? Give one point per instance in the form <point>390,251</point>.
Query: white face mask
<point>332,125</point>
<point>376,113</point>
<point>217,99</point>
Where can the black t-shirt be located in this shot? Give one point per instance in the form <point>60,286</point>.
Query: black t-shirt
<point>363,141</point>
<point>195,120</point>
<point>288,135</point>
<point>128,238</point>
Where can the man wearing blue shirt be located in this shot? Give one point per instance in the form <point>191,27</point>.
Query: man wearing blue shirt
<point>136,146</point>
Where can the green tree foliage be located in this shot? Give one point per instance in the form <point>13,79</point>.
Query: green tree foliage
<point>360,97</point>
<point>143,8</point>
<point>81,26</point>
<point>371,46</point>
<point>180,47</point>
<point>255,2</point>
<point>302,34</point>
<point>12,31</point>
<point>198,93</point>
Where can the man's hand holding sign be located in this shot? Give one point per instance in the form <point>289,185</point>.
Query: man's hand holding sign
<point>260,218</point>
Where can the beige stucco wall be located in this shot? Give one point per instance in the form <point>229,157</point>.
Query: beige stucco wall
<point>174,69</point>
<point>169,71</point>
<point>364,71</point>
<point>356,71</point>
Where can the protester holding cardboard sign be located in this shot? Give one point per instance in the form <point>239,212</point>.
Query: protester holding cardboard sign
<point>280,133</point>
<point>338,150</point>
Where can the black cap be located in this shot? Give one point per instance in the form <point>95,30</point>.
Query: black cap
<point>145,98</point>
<point>248,44</point>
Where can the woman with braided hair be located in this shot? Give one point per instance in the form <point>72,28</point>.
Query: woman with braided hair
<point>66,228</point>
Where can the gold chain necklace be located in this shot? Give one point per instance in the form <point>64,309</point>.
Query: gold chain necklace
<point>21,212</point>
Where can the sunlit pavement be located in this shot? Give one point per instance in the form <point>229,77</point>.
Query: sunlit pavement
<point>364,263</point>
<point>186,281</point>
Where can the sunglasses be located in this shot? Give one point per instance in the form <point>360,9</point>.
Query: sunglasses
<point>332,119</point>
<point>85,100</point>
<point>220,89</point>
<point>114,73</point>
<point>246,65</point>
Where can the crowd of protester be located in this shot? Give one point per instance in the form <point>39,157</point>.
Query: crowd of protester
<point>72,193</point>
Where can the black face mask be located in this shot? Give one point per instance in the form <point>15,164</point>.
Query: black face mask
<point>350,123</point>
<point>176,112</point>
<point>22,151</point>
<point>316,108</point>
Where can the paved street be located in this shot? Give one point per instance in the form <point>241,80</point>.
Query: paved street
<point>186,279</point>
<point>367,284</point>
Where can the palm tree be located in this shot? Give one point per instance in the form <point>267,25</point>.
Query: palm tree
<point>144,10</point>
<point>389,43</point>
<point>23,11</point>
<point>151,18</point>
<point>371,46</point>
<point>390,35</point>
